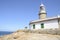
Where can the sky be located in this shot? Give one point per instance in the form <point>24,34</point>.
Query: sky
<point>16,14</point>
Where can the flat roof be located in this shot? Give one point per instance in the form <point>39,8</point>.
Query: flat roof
<point>46,19</point>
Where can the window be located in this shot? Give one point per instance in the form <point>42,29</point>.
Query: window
<point>33,26</point>
<point>42,25</point>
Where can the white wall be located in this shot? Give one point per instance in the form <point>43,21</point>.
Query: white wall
<point>47,24</point>
<point>59,23</point>
<point>51,24</point>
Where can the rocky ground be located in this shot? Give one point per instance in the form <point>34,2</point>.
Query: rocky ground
<point>29,36</point>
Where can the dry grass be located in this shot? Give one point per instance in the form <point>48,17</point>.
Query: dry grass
<point>44,31</point>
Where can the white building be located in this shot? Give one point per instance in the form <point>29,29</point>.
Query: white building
<point>43,22</point>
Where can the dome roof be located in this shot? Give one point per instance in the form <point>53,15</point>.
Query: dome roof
<point>42,4</point>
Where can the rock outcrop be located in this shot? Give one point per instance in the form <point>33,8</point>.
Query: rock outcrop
<point>20,35</point>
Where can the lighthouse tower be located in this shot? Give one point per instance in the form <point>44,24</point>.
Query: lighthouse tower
<point>42,12</point>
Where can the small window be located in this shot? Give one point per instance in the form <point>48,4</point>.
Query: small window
<point>42,25</point>
<point>33,26</point>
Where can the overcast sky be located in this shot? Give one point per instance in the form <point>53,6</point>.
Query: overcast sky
<point>16,14</point>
